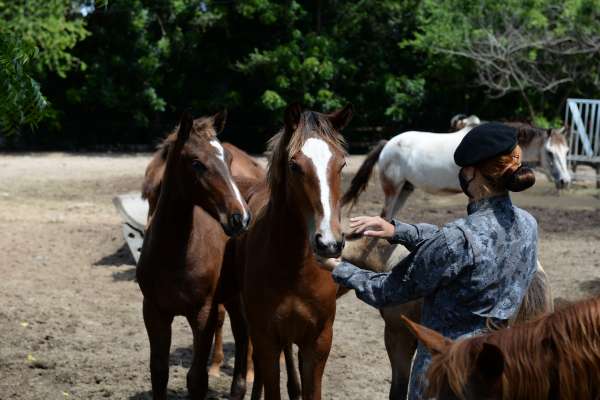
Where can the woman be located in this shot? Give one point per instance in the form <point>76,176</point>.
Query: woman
<point>470,272</point>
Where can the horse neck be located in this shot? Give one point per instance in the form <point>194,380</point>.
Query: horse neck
<point>532,151</point>
<point>535,370</point>
<point>173,216</point>
<point>287,231</point>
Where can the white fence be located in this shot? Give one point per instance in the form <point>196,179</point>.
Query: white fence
<point>582,119</point>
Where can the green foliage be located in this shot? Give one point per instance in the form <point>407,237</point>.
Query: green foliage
<point>49,25</point>
<point>21,102</point>
<point>530,47</point>
<point>123,72</point>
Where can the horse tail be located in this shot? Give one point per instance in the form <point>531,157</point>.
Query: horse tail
<point>538,299</point>
<point>361,179</point>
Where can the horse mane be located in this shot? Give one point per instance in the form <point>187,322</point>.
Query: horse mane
<point>311,124</point>
<point>526,132</point>
<point>559,352</point>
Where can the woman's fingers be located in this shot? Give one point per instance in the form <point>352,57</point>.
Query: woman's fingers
<point>377,234</point>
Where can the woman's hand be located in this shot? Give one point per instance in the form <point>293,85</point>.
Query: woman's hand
<point>328,264</point>
<point>372,227</point>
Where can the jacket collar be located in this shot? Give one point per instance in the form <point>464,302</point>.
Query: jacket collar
<point>489,203</point>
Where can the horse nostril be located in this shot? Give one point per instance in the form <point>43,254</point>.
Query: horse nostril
<point>236,219</point>
<point>319,242</point>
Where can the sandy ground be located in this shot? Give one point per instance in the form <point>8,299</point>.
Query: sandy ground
<point>70,310</point>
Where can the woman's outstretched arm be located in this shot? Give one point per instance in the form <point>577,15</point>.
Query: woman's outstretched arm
<point>431,265</point>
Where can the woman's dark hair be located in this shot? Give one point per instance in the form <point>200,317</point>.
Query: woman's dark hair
<point>519,180</point>
<point>506,172</point>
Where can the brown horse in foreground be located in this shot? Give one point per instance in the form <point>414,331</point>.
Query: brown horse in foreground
<point>246,171</point>
<point>379,256</point>
<point>554,357</point>
<point>287,296</point>
<point>179,271</point>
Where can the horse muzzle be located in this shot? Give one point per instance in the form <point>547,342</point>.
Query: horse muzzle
<point>237,223</point>
<point>328,248</point>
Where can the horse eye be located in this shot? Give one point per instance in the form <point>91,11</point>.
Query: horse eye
<point>198,166</point>
<point>295,168</point>
<point>343,165</point>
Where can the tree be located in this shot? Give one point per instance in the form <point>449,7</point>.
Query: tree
<point>21,101</point>
<point>529,47</point>
<point>36,37</point>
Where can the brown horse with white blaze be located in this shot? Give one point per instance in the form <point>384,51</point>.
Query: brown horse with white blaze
<point>287,296</point>
<point>179,271</point>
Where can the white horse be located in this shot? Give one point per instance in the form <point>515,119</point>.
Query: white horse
<point>426,160</point>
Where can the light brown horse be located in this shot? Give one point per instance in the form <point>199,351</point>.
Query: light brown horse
<point>179,271</point>
<point>288,298</point>
<point>379,256</point>
<point>554,357</point>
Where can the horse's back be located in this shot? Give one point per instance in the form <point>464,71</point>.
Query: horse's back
<point>243,165</point>
<point>424,159</point>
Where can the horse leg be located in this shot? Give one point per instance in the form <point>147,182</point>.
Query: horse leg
<point>313,359</point>
<point>217,355</point>
<point>249,358</point>
<point>293,383</point>
<point>395,198</point>
<point>203,326</point>
<point>257,384</point>
<point>400,345</point>
<point>266,364</point>
<point>158,327</point>
<point>240,335</point>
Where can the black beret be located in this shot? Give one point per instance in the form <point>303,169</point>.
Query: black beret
<point>484,142</point>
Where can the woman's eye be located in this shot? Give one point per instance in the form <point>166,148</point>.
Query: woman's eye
<point>198,166</point>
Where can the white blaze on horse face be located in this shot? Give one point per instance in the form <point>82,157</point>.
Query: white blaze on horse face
<point>221,154</point>
<point>559,168</point>
<point>317,150</point>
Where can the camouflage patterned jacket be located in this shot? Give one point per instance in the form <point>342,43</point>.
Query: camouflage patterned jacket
<point>472,269</point>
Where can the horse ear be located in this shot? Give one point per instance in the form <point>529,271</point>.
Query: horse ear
<point>219,120</point>
<point>185,127</point>
<point>490,363</point>
<point>435,342</point>
<point>341,118</point>
<point>291,116</point>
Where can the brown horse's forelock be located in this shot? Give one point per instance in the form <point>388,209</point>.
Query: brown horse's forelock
<point>564,345</point>
<point>311,124</point>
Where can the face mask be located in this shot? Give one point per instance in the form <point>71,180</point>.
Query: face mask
<point>464,182</point>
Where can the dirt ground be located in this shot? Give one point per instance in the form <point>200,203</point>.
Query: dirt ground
<point>70,310</point>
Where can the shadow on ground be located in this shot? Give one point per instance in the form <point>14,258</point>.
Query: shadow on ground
<point>178,394</point>
<point>182,356</point>
<point>591,287</point>
<point>122,256</point>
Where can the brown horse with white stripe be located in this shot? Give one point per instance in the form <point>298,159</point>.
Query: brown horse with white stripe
<point>179,271</point>
<point>287,296</point>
